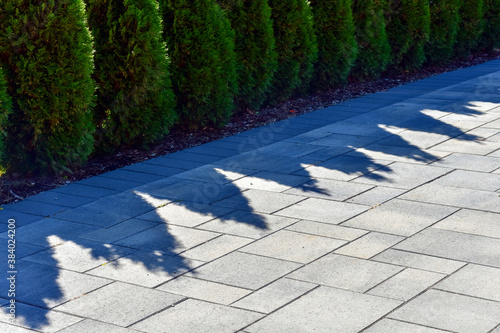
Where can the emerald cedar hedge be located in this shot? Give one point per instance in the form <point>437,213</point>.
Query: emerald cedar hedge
<point>471,27</point>
<point>256,56</point>
<point>46,50</point>
<point>408,28</point>
<point>135,101</point>
<point>337,47</point>
<point>371,35</point>
<point>445,20</point>
<point>200,44</point>
<point>5,110</point>
<point>296,45</point>
<point>491,35</point>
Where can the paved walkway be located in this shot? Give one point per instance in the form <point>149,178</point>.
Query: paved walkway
<point>381,214</point>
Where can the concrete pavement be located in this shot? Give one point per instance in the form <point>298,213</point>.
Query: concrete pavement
<point>380,214</point>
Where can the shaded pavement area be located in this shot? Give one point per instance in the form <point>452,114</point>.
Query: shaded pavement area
<point>380,214</point>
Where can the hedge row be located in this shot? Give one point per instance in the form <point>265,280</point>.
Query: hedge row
<point>89,76</point>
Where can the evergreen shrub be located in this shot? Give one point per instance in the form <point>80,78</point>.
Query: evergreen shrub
<point>471,27</point>
<point>445,20</point>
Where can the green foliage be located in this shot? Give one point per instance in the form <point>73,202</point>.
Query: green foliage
<point>296,45</point>
<point>471,27</point>
<point>5,110</point>
<point>337,45</point>
<point>374,49</point>
<point>491,36</point>
<point>445,20</point>
<point>135,101</point>
<point>46,50</point>
<point>256,57</point>
<point>408,28</point>
<point>201,48</point>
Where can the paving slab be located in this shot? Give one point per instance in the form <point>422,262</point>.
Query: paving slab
<point>60,199</point>
<point>198,316</point>
<point>329,189</point>
<point>139,177</point>
<point>376,196</point>
<point>322,210</point>
<point>41,320</point>
<point>469,162</point>
<point>474,280</point>
<point>327,230</point>
<point>390,325</point>
<point>346,272</point>
<point>347,312</point>
<point>204,290</point>
<point>400,217</point>
<point>369,245</point>
<point>148,269</point>
<point>270,181</point>
<point>448,311</point>
<point>120,304</point>
<point>454,245</point>
<point>244,270</point>
<point>472,222</point>
<point>275,295</point>
<point>293,246</point>
<point>406,284</point>
<point>89,325</point>
<point>471,180</point>
<point>419,261</point>
<point>47,286</point>
<point>216,247</point>
<point>118,231</point>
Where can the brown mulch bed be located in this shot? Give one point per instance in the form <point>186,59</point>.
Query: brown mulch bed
<point>14,187</point>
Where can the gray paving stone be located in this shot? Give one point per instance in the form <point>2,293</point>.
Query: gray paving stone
<point>454,245</point>
<point>400,217</point>
<point>260,201</point>
<point>111,210</point>
<point>406,154</point>
<point>47,286</point>
<point>414,138</point>
<point>167,161</point>
<point>247,224</point>
<point>389,325</point>
<point>495,153</point>
<point>21,219</point>
<point>145,268</point>
<point>79,256</point>
<point>109,183</point>
<point>270,181</point>
<point>216,247</point>
<point>347,312</point>
<point>197,316</point>
<point>402,175</point>
<point>40,233</point>
<point>167,239</point>
<point>244,270</point>
<point>120,303</point>
<point>262,162</point>
<point>472,222</point>
<point>327,230</point>
<point>192,157</point>
<point>450,312</point>
<point>471,180</point>
<point>324,154</point>
<point>204,290</point>
<point>274,295</point>
<point>376,196</point>
<point>85,191</point>
<point>455,196</point>
<point>21,250</point>
<point>60,199</point>
<point>343,168</point>
<point>89,325</point>
<point>215,174</point>
<point>342,140</point>
<point>178,189</point>
<point>419,261</point>
<point>467,147</point>
<point>369,245</point>
<point>289,149</point>
<point>329,189</point>
<point>345,272</point>
<point>42,320</point>
<point>293,246</point>
<point>119,231</point>
<point>406,284</point>
<point>469,162</point>
<point>126,174</point>
<point>152,169</point>
<point>321,210</point>
<point>13,329</point>
<point>474,280</point>
<point>204,150</point>
<point>35,208</point>
<point>185,214</point>
<point>346,127</point>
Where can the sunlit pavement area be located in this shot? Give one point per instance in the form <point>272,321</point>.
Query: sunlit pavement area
<point>380,214</point>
